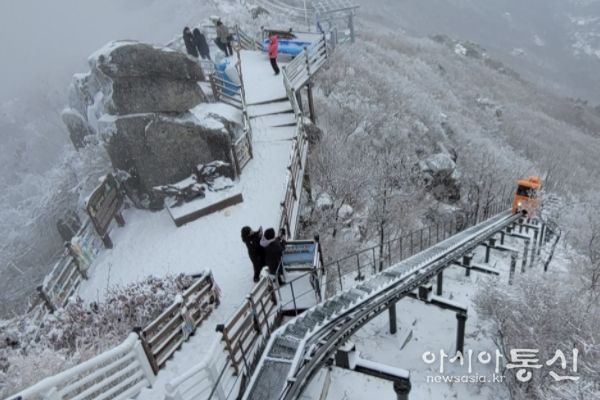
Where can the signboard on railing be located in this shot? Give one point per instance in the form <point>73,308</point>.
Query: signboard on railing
<point>243,151</point>
<point>103,205</point>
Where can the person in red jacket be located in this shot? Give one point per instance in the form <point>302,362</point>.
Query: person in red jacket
<point>273,49</point>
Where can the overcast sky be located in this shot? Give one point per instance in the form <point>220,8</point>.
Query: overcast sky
<point>49,40</point>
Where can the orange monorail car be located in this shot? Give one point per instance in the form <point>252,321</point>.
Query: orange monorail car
<point>527,198</point>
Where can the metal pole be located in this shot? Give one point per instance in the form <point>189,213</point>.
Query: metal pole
<point>311,105</point>
<point>533,250</point>
<point>467,264</point>
<point>373,256</point>
<point>460,331</point>
<point>525,252</point>
<point>294,298</point>
<point>513,267</point>
<point>393,321</point>
<point>440,282</point>
<point>429,236</point>
<point>340,276</point>
<point>401,239</point>
<point>502,234</point>
<point>402,389</point>
<point>541,243</point>
<point>521,225</point>
<point>360,277</point>
<point>488,247</point>
<point>351,26</point>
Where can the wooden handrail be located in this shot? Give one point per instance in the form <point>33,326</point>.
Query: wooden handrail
<point>163,336</point>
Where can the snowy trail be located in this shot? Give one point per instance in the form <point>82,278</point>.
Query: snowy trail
<point>150,244</point>
<point>261,85</point>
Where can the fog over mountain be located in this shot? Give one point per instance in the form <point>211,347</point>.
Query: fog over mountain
<point>43,44</point>
<point>554,43</point>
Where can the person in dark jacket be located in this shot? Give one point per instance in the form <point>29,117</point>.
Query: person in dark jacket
<point>201,44</point>
<point>255,251</point>
<point>274,246</point>
<point>188,39</point>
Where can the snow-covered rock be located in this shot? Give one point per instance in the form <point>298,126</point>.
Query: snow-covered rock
<point>157,149</point>
<point>346,211</point>
<point>324,202</point>
<point>438,164</point>
<point>146,105</point>
<point>129,77</point>
<point>314,133</point>
<point>146,78</point>
<point>77,126</point>
<point>129,59</point>
<point>441,177</point>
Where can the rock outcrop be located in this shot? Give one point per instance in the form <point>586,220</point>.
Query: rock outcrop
<point>137,99</point>
<point>441,177</point>
<point>77,126</point>
<point>158,149</point>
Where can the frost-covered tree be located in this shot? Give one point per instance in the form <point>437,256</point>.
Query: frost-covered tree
<point>32,349</point>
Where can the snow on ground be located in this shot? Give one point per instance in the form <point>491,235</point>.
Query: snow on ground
<point>150,244</point>
<point>202,111</point>
<point>423,328</point>
<point>259,79</point>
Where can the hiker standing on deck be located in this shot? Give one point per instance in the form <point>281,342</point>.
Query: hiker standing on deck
<point>273,247</point>
<point>201,44</point>
<point>255,251</point>
<point>188,39</point>
<point>224,39</point>
<point>273,50</point>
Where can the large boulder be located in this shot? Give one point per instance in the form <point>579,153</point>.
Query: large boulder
<point>128,59</point>
<point>145,78</point>
<point>146,105</point>
<point>440,164</point>
<point>441,177</point>
<point>158,149</point>
<point>157,94</point>
<point>129,77</point>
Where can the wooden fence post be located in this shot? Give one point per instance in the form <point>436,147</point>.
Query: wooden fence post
<point>46,298</point>
<point>307,62</point>
<point>214,87</point>
<point>147,350</point>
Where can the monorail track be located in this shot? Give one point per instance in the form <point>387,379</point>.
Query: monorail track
<point>299,348</point>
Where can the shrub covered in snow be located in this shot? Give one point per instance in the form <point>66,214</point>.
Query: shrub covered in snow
<point>538,314</point>
<point>31,350</point>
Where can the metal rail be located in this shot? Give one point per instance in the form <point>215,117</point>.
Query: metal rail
<point>298,349</point>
